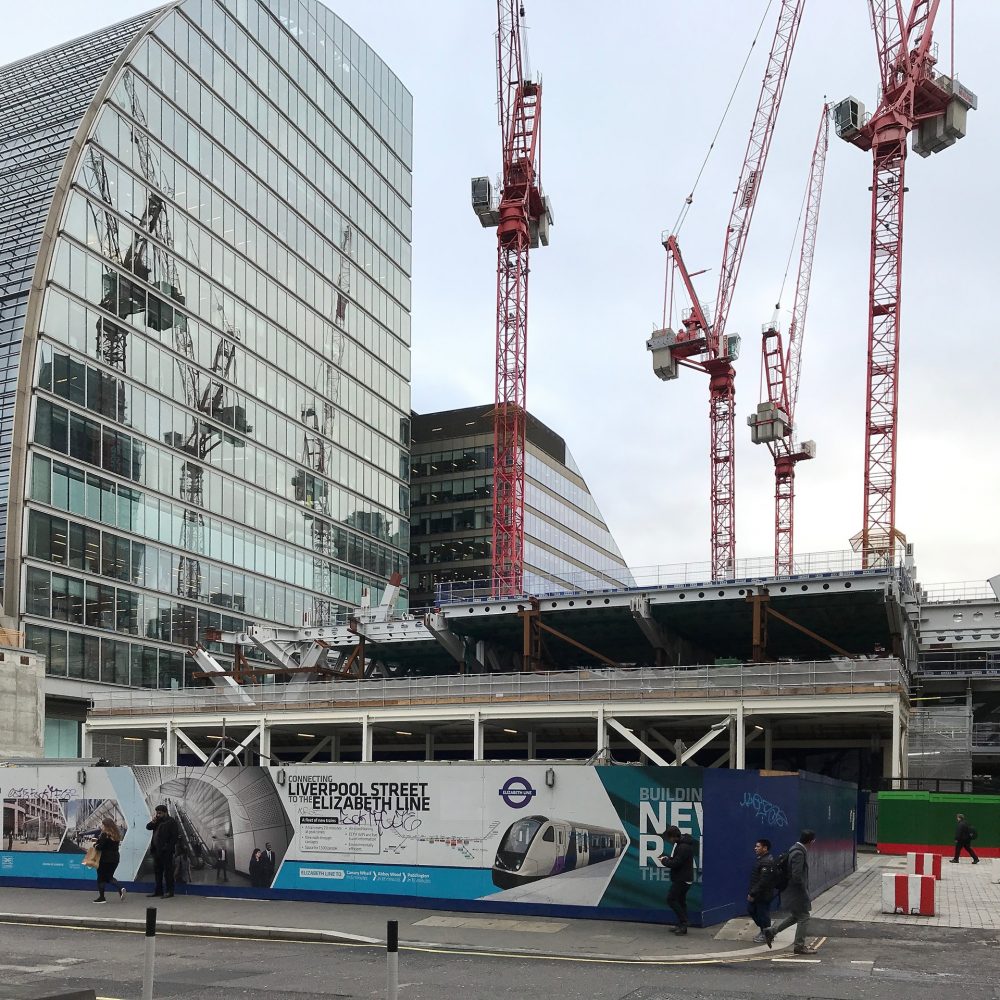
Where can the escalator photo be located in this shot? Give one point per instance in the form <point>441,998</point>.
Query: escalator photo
<point>233,829</point>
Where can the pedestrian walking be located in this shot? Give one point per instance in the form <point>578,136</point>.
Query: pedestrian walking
<point>964,836</point>
<point>166,833</point>
<point>761,891</point>
<point>220,862</point>
<point>680,862</point>
<point>795,898</point>
<point>107,846</point>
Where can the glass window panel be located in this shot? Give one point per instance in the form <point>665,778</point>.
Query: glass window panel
<point>52,426</point>
<point>85,439</point>
<point>41,479</point>
<point>37,592</point>
<point>77,499</point>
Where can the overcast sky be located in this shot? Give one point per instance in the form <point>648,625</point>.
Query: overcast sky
<point>632,95</point>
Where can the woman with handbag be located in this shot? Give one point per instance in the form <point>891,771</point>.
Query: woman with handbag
<point>108,857</point>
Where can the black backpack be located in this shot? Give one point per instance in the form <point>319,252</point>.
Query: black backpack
<point>779,873</point>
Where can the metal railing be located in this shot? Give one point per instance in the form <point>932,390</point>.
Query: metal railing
<point>959,663</point>
<point>690,574</point>
<point>946,593</point>
<point>986,736</point>
<point>613,684</point>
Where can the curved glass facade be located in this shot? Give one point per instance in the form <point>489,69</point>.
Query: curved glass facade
<point>219,370</point>
<point>567,545</point>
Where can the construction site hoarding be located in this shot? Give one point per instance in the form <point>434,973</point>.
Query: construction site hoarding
<point>559,839</point>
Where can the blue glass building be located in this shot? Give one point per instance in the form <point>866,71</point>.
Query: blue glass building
<point>204,334</point>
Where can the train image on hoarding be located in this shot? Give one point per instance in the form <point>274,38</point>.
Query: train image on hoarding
<point>536,847</point>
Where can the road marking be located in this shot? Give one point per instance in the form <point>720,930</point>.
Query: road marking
<point>862,961</point>
<point>799,961</point>
<point>718,958</point>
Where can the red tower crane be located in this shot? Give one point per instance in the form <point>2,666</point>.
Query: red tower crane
<point>522,217</point>
<point>774,422</point>
<point>915,99</point>
<point>704,345</point>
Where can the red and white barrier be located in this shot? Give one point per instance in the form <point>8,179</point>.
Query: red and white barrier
<point>924,864</point>
<point>912,895</point>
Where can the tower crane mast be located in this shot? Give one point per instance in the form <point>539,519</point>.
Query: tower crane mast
<point>704,345</point>
<point>522,218</point>
<point>916,101</point>
<point>774,422</point>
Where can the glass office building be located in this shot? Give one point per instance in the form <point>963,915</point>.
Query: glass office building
<point>204,327</point>
<point>567,545</point>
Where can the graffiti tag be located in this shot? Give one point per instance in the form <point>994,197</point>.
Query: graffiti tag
<point>48,792</point>
<point>405,820</point>
<point>770,813</point>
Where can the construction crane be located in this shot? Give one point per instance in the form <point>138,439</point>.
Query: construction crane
<point>915,100</point>
<point>210,400</point>
<point>704,345</point>
<point>319,417</point>
<point>774,422</point>
<point>522,217</point>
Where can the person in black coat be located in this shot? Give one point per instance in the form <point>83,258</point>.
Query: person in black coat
<point>680,861</point>
<point>166,833</point>
<point>963,840</point>
<point>256,868</point>
<point>761,890</point>
<point>796,897</point>
<point>107,844</point>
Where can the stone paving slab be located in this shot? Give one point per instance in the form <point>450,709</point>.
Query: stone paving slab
<point>968,895</point>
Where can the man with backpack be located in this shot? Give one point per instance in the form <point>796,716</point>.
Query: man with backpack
<point>795,896</point>
<point>964,836</point>
<point>762,888</point>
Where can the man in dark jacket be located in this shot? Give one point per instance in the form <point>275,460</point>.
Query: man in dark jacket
<point>796,897</point>
<point>166,833</point>
<point>963,840</point>
<point>761,890</point>
<point>680,861</point>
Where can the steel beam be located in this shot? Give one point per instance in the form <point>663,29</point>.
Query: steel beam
<point>636,742</point>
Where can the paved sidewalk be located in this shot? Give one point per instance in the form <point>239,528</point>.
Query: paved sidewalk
<point>351,924</point>
<point>967,896</point>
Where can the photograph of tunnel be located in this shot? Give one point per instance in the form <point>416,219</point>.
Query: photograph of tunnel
<point>35,823</point>
<point>232,825</point>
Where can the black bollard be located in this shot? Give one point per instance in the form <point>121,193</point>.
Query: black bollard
<point>147,972</point>
<point>392,959</point>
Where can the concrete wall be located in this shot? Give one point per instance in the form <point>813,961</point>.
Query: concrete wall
<point>22,703</point>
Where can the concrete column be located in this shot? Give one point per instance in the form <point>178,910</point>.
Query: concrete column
<point>532,741</point>
<point>265,743</point>
<point>739,758</point>
<point>477,738</point>
<point>904,756</point>
<point>86,741</point>
<point>170,747</point>
<point>602,730</point>
<point>429,746</point>
<point>366,739</point>
<point>897,743</point>
<point>335,748</point>
<point>768,749</point>
<point>154,752</point>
